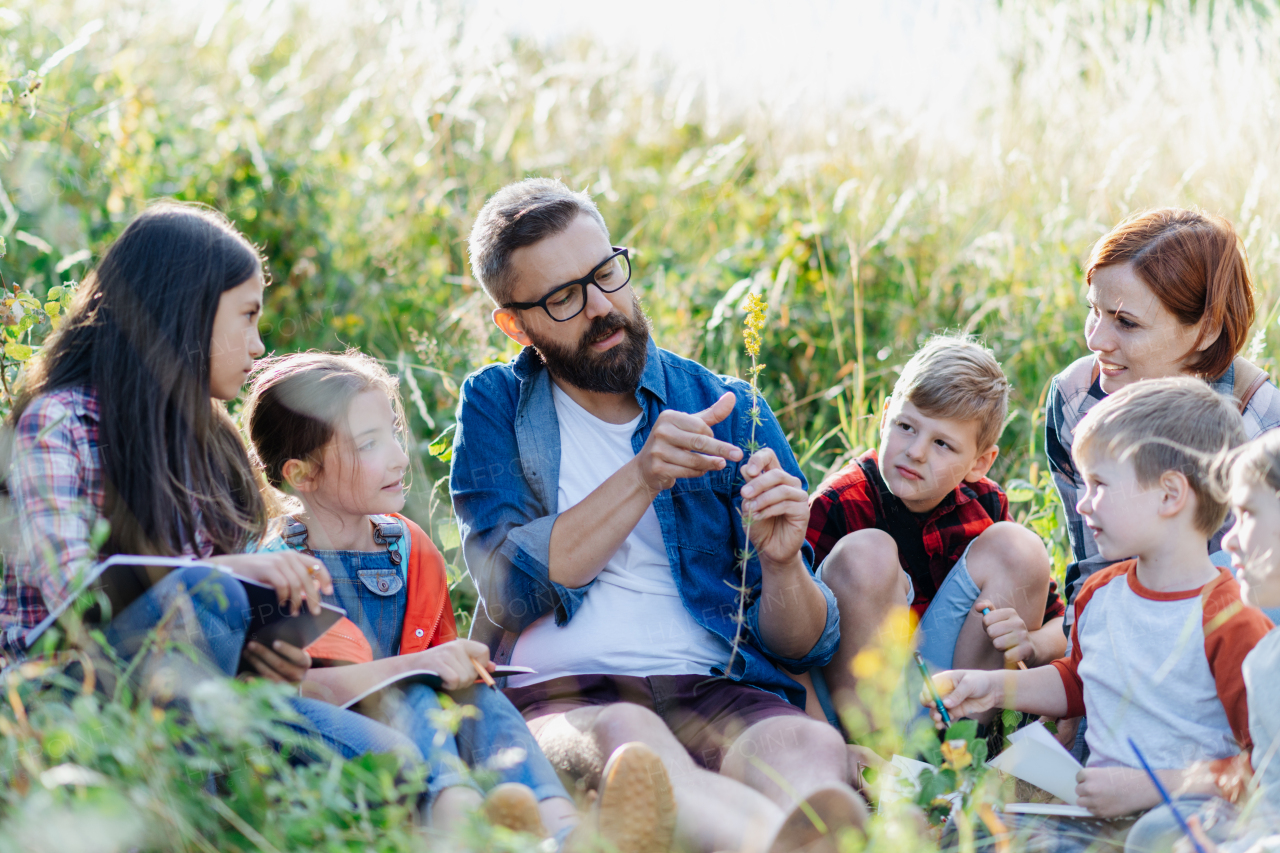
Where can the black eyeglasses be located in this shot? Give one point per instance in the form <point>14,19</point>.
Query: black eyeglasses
<point>568,300</point>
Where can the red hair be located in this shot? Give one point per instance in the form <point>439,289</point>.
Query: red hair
<point>1195,264</point>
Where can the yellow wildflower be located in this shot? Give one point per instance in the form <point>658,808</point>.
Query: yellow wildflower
<point>867,663</point>
<point>955,754</point>
<point>756,310</point>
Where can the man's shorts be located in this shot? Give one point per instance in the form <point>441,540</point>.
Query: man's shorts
<point>706,714</point>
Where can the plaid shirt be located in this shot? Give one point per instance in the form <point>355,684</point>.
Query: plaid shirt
<point>56,487</point>
<point>1072,394</point>
<point>929,544</point>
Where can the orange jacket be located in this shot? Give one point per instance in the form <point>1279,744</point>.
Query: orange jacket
<point>428,615</point>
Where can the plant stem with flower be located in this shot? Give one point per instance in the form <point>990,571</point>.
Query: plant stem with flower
<point>756,310</point>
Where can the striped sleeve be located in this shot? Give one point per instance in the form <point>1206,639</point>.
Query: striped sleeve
<point>1231,630</point>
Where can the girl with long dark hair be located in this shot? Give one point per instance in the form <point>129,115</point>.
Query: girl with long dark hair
<point>121,421</point>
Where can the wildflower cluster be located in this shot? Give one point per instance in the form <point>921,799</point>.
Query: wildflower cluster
<point>756,309</point>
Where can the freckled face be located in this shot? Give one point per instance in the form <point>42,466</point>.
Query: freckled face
<point>1132,334</point>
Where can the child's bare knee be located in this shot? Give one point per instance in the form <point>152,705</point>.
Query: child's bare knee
<point>1009,548</point>
<point>863,562</point>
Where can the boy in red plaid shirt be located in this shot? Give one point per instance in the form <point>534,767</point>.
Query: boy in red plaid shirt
<point>919,524</point>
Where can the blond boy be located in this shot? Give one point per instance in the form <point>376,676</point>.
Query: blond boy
<point>1158,640</point>
<point>919,524</point>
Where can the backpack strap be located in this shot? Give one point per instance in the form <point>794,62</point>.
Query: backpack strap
<point>1248,379</point>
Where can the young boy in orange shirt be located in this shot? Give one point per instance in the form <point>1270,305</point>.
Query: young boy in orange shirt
<point>1158,640</point>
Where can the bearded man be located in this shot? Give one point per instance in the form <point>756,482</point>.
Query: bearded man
<point>599,484</point>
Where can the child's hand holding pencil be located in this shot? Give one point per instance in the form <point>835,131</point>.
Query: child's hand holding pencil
<point>458,662</point>
<point>962,693</point>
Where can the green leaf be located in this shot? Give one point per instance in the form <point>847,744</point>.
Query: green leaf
<point>441,447</point>
<point>98,536</point>
<point>447,537</point>
<point>963,730</point>
<point>1010,719</point>
<point>17,351</point>
<point>1019,491</point>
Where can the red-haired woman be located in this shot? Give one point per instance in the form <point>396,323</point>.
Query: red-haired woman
<point>1169,295</point>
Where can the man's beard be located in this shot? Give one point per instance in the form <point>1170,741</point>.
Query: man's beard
<point>616,370</point>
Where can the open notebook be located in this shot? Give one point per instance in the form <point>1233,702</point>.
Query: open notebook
<point>375,701</point>
<point>122,579</point>
<point>1034,755</point>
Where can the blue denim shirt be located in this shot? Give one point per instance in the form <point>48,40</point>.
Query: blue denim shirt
<point>505,484</point>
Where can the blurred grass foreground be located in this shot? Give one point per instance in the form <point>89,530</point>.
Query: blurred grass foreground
<point>356,141</point>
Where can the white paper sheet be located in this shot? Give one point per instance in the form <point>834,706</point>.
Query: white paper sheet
<point>1054,809</point>
<point>1035,756</point>
<point>901,779</point>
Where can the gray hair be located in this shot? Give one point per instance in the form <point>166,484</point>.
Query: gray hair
<point>518,215</point>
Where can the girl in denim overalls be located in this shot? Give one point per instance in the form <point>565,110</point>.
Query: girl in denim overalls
<point>326,428</point>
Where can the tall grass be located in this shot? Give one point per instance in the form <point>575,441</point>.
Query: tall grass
<point>356,141</point>
<point>356,145</point>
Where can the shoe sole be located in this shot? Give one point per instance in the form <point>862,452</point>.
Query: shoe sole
<point>516,808</point>
<point>834,808</point>
<point>636,809</point>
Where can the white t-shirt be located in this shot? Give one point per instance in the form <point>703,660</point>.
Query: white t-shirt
<point>631,621</point>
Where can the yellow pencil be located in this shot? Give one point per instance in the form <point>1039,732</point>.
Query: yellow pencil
<point>484,674</point>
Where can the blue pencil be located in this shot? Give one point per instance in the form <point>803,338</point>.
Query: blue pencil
<point>987,610</point>
<point>1165,796</point>
<point>937,699</point>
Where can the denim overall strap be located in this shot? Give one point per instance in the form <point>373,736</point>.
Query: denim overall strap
<point>389,532</point>
<point>371,586</point>
<point>295,534</point>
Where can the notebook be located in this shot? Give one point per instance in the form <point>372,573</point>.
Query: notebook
<point>123,578</point>
<point>369,701</point>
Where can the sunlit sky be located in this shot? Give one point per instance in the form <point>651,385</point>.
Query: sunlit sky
<point>901,50</point>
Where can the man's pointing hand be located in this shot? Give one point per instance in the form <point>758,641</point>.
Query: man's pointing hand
<point>682,445</point>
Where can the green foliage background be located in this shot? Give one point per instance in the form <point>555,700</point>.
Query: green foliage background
<point>355,143</point>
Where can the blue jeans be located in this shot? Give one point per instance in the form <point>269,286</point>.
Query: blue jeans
<point>1158,830</point>
<point>221,615</point>
<point>218,604</point>
<point>349,734</point>
<point>494,739</point>
<point>940,626</point>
